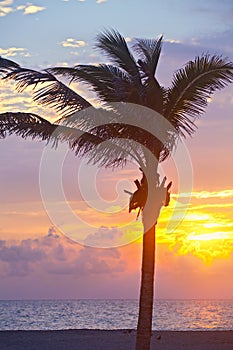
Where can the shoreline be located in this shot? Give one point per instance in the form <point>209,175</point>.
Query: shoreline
<point>88,339</point>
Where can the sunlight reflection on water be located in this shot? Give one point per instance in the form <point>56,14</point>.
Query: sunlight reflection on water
<point>115,314</point>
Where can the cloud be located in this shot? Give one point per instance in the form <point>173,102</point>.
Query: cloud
<point>19,102</point>
<point>208,194</point>
<point>5,8</point>
<point>128,39</point>
<point>104,237</point>
<point>27,9</point>
<point>30,9</point>
<point>19,258</point>
<point>70,42</point>
<point>14,51</point>
<point>55,254</point>
<point>172,41</point>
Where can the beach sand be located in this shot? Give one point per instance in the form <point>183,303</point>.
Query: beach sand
<point>113,340</point>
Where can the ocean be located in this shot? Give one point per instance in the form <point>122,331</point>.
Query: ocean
<point>114,314</point>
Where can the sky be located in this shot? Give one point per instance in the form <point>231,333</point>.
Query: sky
<point>37,260</point>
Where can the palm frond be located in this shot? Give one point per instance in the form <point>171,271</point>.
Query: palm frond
<point>25,77</point>
<point>25,125</point>
<point>103,79</point>
<point>60,97</point>
<point>29,125</point>
<point>191,86</point>
<point>114,45</point>
<point>117,127</point>
<point>109,82</point>
<point>55,94</point>
<point>149,52</point>
<point>119,143</point>
<point>7,66</point>
<point>102,149</point>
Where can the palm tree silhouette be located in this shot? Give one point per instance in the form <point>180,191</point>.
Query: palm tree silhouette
<point>128,82</point>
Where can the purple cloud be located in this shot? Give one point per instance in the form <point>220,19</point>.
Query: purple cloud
<point>55,254</point>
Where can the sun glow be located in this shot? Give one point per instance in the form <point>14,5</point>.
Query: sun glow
<point>206,230</point>
<point>208,236</point>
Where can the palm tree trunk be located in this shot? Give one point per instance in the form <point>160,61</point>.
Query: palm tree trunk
<point>144,328</point>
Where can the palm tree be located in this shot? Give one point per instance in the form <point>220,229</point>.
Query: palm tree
<point>129,80</point>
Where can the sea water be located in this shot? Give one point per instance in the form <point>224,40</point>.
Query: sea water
<point>114,314</point>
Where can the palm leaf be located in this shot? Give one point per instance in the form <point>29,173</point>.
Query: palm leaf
<point>60,97</point>
<point>55,94</point>
<point>25,125</point>
<point>33,126</point>
<point>7,65</point>
<point>149,52</point>
<point>116,127</point>
<point>102,78</point>
<point>120,143</point>
<point>100,149</point>
<point>115,46</point>
<point>109,82</point>
<point>27,77</point>
<point>191,86</point>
